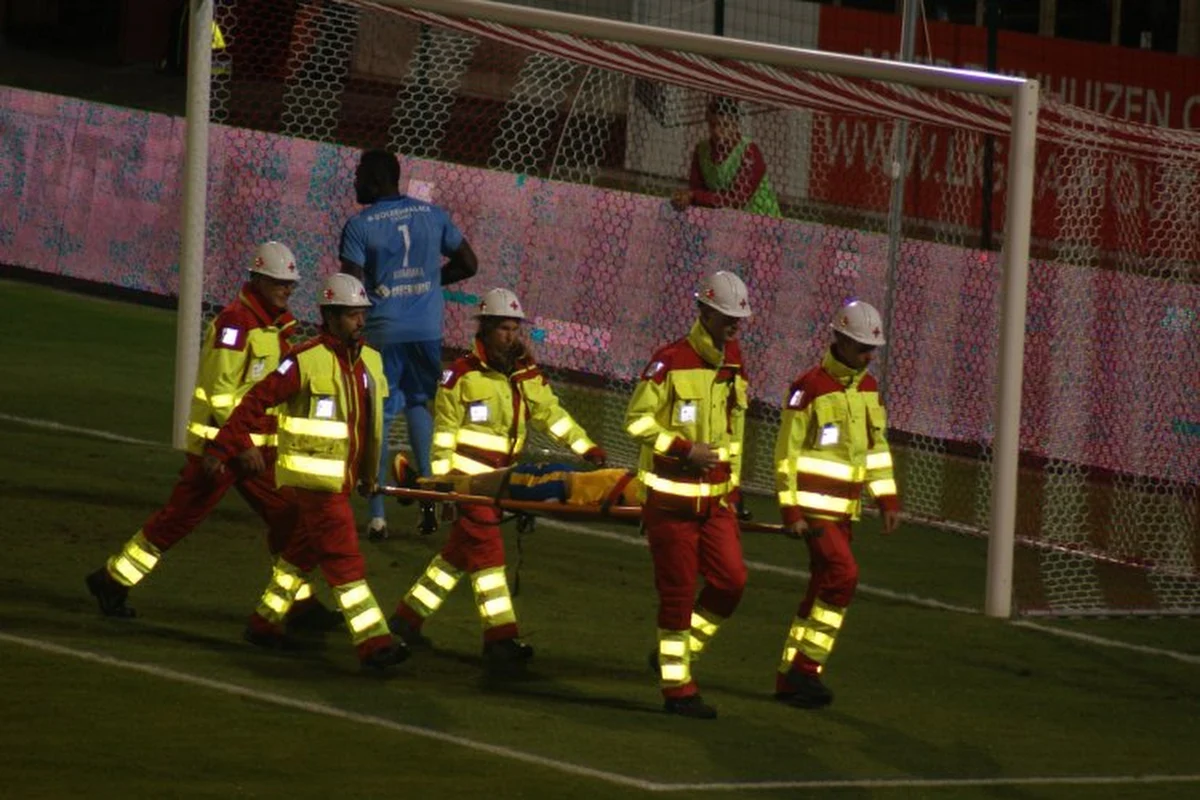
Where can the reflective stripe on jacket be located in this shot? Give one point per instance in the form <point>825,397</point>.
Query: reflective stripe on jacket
<point>481,415</point>
<point>330,416</point>
<point>832,443</point>
<point>690,392</point>
<point>242,345</point>
<point>334,423</point>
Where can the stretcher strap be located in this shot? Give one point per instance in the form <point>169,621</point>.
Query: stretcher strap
<point>615,494</point>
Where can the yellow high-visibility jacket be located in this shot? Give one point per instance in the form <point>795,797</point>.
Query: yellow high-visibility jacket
<point>832,443</point>
<point>481,415</point>
<point>330,400</point>
<point>690,392</point>
<point>242,345</point>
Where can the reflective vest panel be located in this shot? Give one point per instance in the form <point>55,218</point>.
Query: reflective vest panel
<point>224,377</point>
<point>318,425</point>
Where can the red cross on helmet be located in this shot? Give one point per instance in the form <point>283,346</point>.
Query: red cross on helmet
<point>500,302</point>
<point>725,292</point>
<point>861,322</point>
<point>276,261</point>
<point>344,290</point>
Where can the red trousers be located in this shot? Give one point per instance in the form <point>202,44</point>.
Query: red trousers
<point>325,536</point>
<point>195,495</point>
<point>475,541</point>
<point>684,545</point>
<point>834,577</point>
<point>831,564</point>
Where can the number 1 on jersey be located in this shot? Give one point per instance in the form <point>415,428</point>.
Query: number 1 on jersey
<point>407,241</point>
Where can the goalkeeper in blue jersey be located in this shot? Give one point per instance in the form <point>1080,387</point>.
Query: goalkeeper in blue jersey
<point>396,246</point>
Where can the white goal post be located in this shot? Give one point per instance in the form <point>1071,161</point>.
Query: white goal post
<point>1021,96</point>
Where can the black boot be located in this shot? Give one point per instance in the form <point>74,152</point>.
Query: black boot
<point>314,616</point>
<point>110,595</point>
<point>692,706</point>
<point>406,632</point>
<point>505,656</point>
<point>805,691</point>
<point>386,657</point>
<point>267,640</point>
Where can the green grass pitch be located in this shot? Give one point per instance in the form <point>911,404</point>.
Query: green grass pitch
<point>931,702</point>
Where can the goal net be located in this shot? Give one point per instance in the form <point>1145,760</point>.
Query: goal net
<point>557,155</point>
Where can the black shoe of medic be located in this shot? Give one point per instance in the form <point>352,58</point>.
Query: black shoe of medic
<point>403,630</point>
<point>386,657</point>
<point>267,640</point>
<point>315,617</point>
<point>692,706</point>
<point>805,691</point>
<point>506,655</point>
<point>110,595</point>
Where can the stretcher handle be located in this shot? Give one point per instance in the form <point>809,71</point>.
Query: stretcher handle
<point>626,513</point>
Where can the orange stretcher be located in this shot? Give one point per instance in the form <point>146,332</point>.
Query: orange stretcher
<point>491,489</point>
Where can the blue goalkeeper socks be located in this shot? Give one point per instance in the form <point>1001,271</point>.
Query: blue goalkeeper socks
<point>375,504</point>
<point>420,436</point>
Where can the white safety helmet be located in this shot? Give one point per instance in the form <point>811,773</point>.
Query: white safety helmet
<point>861,322</point>
<point>725,292</point>
<point>500,303</point>
<point>276,261</point>
<point>344,290</point>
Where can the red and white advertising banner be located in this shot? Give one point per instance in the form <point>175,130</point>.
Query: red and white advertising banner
<point>946,171</point>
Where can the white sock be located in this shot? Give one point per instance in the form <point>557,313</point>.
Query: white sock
<point>377,524</point>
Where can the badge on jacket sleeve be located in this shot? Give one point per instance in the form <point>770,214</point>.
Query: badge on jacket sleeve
<point>230,338</point>
<point>447,374</point>
<point>796,399</point>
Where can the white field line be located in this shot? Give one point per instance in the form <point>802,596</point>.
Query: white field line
<point>47,425</point>
<point>1186,658</point>
<point>759,566</point>
<point>599,533</point>
<point>567,767</point>
<point>327,711</point>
